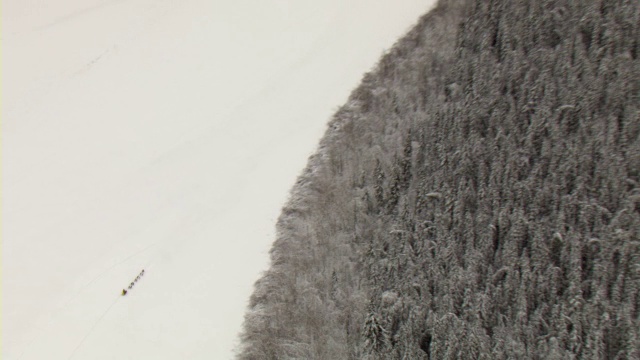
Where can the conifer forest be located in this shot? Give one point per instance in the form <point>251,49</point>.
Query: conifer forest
<point>477,197</point>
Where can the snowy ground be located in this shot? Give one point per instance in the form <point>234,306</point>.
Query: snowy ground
<point>162,135</point>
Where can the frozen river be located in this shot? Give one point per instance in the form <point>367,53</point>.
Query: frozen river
<point>162,135</point>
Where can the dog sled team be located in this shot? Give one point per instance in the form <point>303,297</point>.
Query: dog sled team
<point>124,291</point>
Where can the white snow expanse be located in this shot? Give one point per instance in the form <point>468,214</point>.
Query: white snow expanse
<point>162,135</point>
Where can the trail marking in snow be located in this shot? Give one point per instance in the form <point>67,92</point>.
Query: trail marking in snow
<point>93,328</point>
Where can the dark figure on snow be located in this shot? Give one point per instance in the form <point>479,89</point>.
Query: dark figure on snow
<point>124,292</point>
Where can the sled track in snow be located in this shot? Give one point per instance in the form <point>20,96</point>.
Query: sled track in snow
<point>93,327</point>
<point>92,281</point>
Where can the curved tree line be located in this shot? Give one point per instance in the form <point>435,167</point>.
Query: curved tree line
<point>477,197</point>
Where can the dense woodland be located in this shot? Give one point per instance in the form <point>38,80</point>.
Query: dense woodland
<point>477,197</point>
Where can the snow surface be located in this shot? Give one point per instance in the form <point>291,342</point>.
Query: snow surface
<point>162,135</point>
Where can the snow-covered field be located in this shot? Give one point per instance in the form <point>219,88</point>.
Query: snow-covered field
<point>162,135</point>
